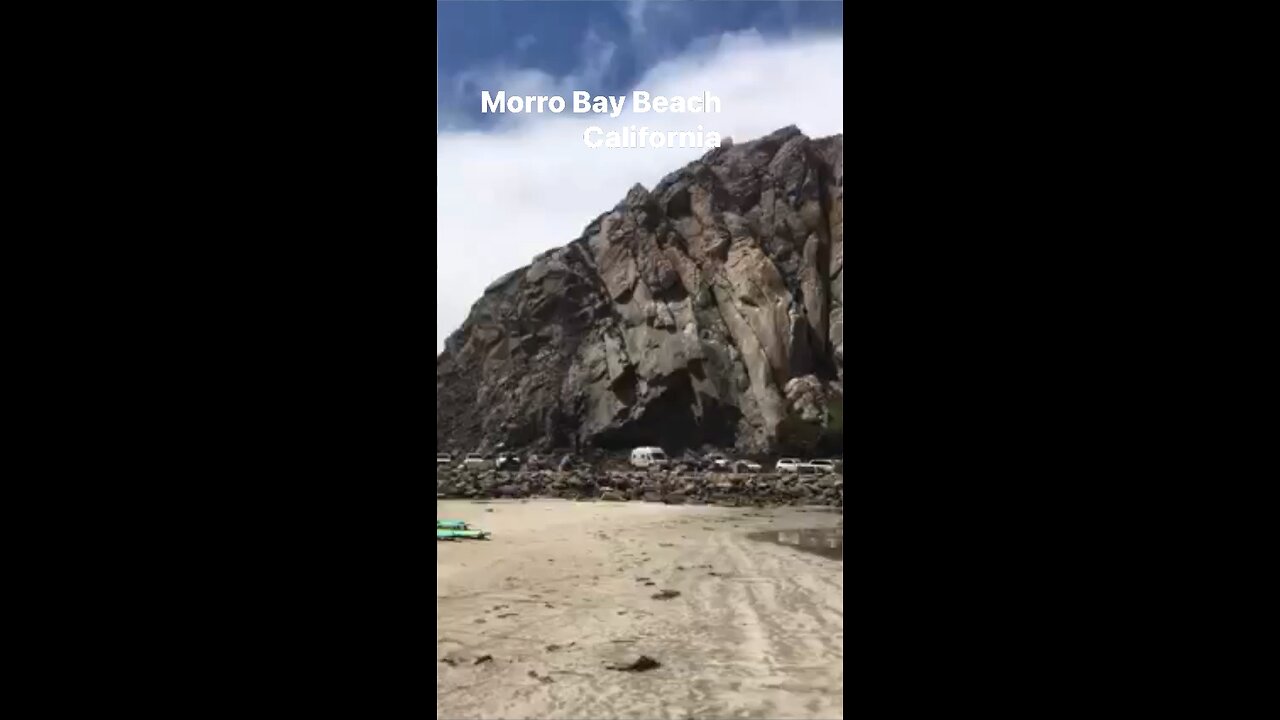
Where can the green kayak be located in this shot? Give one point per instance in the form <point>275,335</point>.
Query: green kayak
<point>451,525</point>
<point>460,534</point>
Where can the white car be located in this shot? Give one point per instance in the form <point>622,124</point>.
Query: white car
<point>788,465</point>
<point>717,462</point>
<point>822,466</point>
<point>474,461</point>
<point>443,459</point>
<point>746,466</point>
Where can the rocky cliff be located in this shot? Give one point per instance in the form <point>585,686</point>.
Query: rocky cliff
<point>708,310</point>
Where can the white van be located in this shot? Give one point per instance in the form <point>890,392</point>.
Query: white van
<point>646,457</point>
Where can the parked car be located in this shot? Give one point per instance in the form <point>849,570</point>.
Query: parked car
<point>507,462</point>
<point>443,459</point>
<point>788,465</point>
<point>716,462</point>
<point>746,466</point>
<point>649,457</point>
<point>474,461</point>
<point>822,466</point>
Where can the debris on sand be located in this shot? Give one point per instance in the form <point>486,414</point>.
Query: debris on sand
<point>483,659</point>
<point>543,678</point>
<point>479,621</point>
<point>507,615</point>
<point>553,648</point>
<point>666,544</point>
<point>448,661</point>
<point>642,664</point>
<point>650,584</point>
<point>666,595</point>
<point>548,605</point>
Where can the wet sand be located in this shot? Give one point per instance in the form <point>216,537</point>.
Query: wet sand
<point>562,591</point>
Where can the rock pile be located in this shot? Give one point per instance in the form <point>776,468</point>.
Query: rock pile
<point>671,488</point>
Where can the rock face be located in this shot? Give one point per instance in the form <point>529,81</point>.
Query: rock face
<point>677,319</point>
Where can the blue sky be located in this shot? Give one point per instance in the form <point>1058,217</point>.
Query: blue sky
<point>513,186</point>
<point>605,46</point>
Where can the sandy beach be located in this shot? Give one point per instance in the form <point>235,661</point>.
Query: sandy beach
<point>529,622</point>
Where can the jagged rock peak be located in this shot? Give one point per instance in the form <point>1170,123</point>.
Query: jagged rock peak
<point>678,318</point>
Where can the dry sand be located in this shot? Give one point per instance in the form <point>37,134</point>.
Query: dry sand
<point>756,632</point>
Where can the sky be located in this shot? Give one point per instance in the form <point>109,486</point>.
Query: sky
<point>511,186</point>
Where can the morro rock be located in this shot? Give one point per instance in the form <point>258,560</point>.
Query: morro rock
<point>679,318</point>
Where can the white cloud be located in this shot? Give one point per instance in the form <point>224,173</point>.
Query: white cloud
<point>647,21</point>
<point>597,55</point>
<point>508,194</point>
<point>635,16</point>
